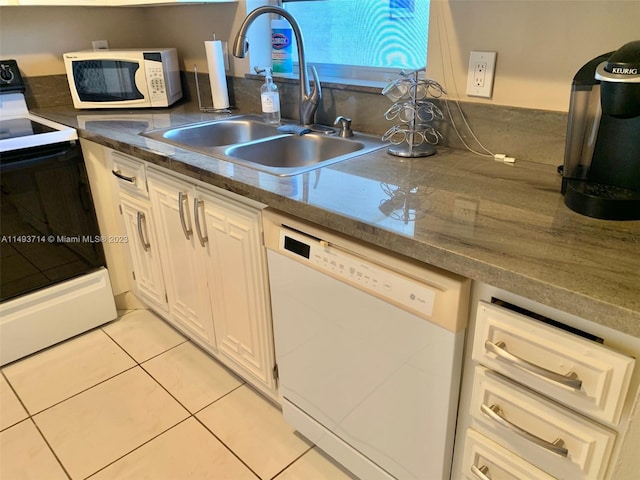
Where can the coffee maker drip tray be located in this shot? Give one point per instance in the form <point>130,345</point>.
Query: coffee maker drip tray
<point>607,202</point>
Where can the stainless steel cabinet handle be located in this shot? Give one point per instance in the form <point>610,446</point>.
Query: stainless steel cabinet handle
<point>119,174</point>
<point>480,472</point>
<point>181,198</point>
<point>196,216</point>
<point>146,245</point>
<point>495,413</point>
<point>500,349</point>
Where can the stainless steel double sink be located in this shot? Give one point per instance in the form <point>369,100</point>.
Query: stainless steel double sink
<point>247,141</point>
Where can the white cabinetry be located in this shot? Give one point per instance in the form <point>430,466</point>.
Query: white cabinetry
<point>144,251</point>
<point>182,256</point>
<point>197,259</point>
<point>545,394</point>
<point>99,166</point>
<point>215,274</point>
<point>138,222</point>
<point>236,272</point>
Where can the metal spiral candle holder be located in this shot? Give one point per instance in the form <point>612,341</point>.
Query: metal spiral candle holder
<point>413,136</point>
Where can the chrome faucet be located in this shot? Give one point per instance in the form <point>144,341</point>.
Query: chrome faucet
<point>309,99</point>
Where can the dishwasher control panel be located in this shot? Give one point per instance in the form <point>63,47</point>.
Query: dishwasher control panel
<point>365,275</point>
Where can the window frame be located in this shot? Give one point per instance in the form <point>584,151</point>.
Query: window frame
<point>357,74</point>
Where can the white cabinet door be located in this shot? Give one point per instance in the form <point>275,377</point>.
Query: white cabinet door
<point>550,360</point>
<point>236,268</point>
<point>144,251</point>
<point>560,442</point>
<point>485,459</point>
<point>182,256</point>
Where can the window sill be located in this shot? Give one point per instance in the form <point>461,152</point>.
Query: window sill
<point>337,83</point>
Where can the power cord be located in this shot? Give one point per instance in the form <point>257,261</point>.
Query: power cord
<point>501,157</point>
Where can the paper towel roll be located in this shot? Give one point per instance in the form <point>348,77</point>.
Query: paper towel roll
<point>217,77</point>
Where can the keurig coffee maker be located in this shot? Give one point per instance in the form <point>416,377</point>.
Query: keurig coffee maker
<point>601,172</point>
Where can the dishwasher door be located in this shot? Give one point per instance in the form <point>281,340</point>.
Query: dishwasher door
<point>372,384</point>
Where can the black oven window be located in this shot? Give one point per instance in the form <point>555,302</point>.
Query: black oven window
<point>106,80</point>
<point>49,231</point>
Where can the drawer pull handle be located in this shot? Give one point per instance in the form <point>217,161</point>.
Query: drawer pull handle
<point>570,380</point>
<point>494,412</point>
<point>119,174</point>
<point>145,245</point>
<point>480,472</point>
<point>196,216</point>
<point>181,198</point>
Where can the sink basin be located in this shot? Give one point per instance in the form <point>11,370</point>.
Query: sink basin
<point>245,140</point>
<point>292,151</point>
<point>215,133</point>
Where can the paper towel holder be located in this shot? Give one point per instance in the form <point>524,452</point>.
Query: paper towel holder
<point>210,109</point>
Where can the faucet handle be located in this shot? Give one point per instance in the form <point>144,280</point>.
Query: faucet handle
<point>345,126</point>
<point>316,93</point>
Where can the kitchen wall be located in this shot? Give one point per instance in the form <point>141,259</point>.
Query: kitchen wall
<point>540,43</point>
<point>38,36</point>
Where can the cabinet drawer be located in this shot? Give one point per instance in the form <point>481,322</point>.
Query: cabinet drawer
<point>542,432</point>
<point>485,459</point>
<point>129,174</point>
<point>571,369</point>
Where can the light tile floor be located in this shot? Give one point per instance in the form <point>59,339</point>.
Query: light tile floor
<point>134,400</point>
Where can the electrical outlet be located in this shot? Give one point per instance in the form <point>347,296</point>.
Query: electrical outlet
<point>480,75</point>
<point>100,45</point>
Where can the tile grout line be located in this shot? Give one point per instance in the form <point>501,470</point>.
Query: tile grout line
<point>191,415</point>
<point>53,452</point>
<point>137,448</point>
<point>293,461</point>
<point>29,418</point>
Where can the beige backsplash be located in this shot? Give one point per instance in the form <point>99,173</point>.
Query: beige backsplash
<point>526,134</point>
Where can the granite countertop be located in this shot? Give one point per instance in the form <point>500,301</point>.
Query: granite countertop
<point>505,225</point>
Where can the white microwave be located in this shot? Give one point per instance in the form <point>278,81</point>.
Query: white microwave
<point>123,78</point>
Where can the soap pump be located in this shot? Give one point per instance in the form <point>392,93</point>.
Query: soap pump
<point>270,99</point>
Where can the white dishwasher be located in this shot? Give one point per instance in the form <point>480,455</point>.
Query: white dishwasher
<point>369,350</point>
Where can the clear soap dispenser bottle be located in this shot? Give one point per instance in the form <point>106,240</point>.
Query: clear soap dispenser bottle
<point>270,99</point>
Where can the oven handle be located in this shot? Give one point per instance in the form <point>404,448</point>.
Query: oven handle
<point>196,216</point>
<point>181,198</point>
<point>119,174</point>
<point>36,158</point>
<point>570,380</point>
<point>494,412</point>
<point>141,218</point>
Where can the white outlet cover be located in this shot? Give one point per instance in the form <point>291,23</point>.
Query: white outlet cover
<point>485,58</point>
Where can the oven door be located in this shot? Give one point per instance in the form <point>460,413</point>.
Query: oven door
<point>49,231</point>
<point>107,82</point>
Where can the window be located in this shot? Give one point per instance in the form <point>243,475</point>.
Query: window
<point>365,39</point>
